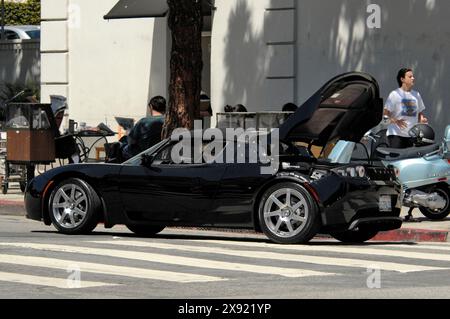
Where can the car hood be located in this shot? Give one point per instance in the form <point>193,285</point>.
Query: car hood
<point>345,108</point>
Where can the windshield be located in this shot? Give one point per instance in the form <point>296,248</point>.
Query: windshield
<point>34,34</point>
<point>341,152</point>
<point>137,160</point>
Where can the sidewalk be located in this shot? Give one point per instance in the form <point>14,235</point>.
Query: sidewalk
<point>424,231</point>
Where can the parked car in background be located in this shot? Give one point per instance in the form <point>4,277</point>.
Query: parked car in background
<point>22,32</point>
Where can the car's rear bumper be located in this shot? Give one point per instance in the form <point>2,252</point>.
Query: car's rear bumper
<point>351,203</point>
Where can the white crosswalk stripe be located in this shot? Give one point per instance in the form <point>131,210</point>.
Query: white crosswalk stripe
<point>48,281</point>
<point>173,260</point>
<point>105,269</point>
<point>346,249</point>
<point>253,257</point>
<point>421,246</point>
<point>343,262</point>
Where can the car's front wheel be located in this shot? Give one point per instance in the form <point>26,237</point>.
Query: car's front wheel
<point>288,214</point>
<point>74,207</point>
<point>145,230</point>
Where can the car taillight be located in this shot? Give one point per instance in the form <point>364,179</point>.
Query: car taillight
<point>397,172</point>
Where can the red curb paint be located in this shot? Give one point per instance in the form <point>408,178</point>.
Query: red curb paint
<point>413,235</point>
<point>12,203</point>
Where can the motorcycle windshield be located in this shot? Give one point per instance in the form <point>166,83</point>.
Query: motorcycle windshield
<point>345,108</point>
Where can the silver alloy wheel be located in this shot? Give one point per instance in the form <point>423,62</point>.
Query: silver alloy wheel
<point>70,206</point>
<point>286,212</point>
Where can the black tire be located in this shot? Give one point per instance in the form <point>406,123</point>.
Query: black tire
<point>355,236</point>
<point>82,198</point>
<point>23,186</point>
<point>302,214</point>
<point>146,230</point>
<point>442,213</point>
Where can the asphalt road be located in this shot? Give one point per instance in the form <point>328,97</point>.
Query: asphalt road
<point>37,262</point>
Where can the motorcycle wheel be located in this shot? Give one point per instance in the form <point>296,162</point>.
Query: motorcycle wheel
<point>438,214</point>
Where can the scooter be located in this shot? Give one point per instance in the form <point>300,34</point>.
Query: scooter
<point>422,170</point>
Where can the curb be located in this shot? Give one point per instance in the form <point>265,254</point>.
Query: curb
<point>16,208</point>
<point>412,234</point>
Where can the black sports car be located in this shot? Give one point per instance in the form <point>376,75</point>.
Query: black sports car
<point>302,196</point>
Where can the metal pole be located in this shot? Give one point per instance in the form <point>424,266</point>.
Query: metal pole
<point>2,34</point>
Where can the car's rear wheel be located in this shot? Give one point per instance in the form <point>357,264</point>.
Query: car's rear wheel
<point>355,236</point>
<point>74,207</point>
<point>145,230</point>
<point>288,214</point>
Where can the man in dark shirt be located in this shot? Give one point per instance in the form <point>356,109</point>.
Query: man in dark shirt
<point>147,132</point>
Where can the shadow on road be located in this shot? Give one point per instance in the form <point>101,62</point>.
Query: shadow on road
<point>229,237</point>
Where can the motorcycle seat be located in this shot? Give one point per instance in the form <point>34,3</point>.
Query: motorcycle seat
<point>395,154</point>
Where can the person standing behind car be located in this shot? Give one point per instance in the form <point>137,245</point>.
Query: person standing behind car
<point>404,108</point>
<point>147,131</point>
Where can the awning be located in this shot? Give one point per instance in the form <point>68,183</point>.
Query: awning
<point>127,9</point>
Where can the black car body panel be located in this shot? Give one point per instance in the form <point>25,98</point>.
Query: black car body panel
<point>102,177</point>
<point>148,192</point>
<point>219,196</point>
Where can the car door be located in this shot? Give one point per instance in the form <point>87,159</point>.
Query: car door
<point>234,203</point>
<point>169,192</point>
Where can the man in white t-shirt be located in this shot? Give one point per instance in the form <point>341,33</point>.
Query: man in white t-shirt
<point>404,108</point>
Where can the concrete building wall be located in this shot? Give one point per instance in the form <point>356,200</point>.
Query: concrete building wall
<point>20,62</point>
<point>104,68</point>
<point>252,54</point>
<point>269,52</point>
<point>264,53</point>
<point>333,38</point>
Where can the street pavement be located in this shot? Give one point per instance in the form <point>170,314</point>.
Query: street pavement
<point>38,262</point>
<point>421,230</point>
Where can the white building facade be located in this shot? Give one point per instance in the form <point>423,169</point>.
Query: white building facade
<point>260,53</point>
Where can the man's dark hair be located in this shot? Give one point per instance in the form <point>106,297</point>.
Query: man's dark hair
<point>289,107</point>
<point>401,74</point>
<point>228,108</point>
<point>239,108</point>
<point>158,103</point>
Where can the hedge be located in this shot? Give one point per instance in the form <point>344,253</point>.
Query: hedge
<point>23,13</point>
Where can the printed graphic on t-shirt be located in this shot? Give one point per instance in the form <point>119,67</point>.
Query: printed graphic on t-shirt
<point>409,107</point>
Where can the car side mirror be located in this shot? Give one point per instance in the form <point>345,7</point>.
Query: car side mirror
<point>147,160</point>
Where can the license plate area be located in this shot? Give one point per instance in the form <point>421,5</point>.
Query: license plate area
<point>385,203</point>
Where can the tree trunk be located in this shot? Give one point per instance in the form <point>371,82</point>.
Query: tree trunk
<point>185,22</point>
